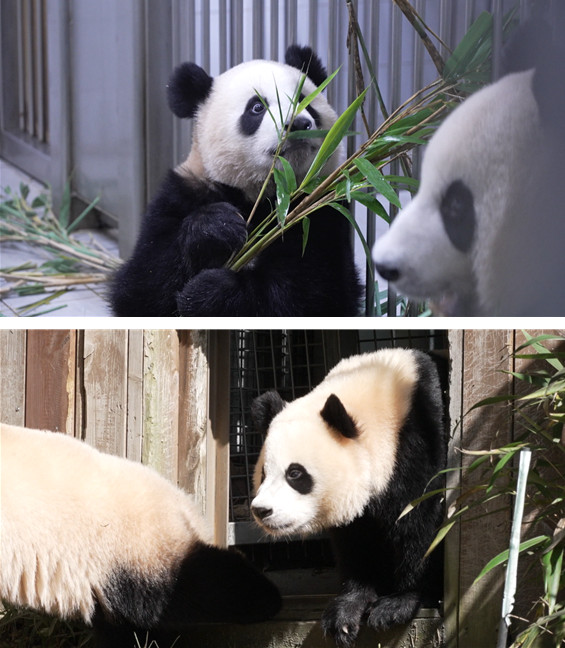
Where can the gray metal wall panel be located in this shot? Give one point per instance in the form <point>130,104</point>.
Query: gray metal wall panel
<point>108,141</point>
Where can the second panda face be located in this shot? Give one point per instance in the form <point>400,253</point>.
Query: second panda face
<point>312,473</point>
<point>238,127</point>
<point>286,500</point>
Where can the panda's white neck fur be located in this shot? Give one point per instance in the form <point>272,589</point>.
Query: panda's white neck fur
<point>193,165</point>
<point>193,168</point>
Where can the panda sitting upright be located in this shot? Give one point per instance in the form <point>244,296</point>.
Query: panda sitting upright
<point>349,457</point>
<point>198,219</point>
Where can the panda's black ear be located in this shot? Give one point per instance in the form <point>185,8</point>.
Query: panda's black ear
<point>305,60</point>
<point>188,87</point>
<point>337,417</point>
<point>264,409</point>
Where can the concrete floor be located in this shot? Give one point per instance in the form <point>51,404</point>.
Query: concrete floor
<point>77,301</point>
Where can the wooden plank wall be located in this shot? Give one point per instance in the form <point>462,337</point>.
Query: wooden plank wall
<point>133,393</point>
<point>479,359</point>
<point>475,608</point>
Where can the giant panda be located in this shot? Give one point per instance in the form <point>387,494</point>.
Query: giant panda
<point>86,534</point>
<point>485,233</point>
<point>198,219</point>
<point>349,457</point>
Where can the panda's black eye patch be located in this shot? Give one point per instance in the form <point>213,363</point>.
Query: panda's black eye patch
<point>457,210</point>
<point>315,114</point>
<point>252,116</point>
<point>299,478</point>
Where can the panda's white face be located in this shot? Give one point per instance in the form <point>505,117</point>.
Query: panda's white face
<point>417,255</point>
<point>446,244</point>
<point>237,136</point>
<point>308,478</point>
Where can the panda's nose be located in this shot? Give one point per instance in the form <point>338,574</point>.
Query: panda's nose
<point>261,512</point>
<point>388,272</point>
<point>300,124</point>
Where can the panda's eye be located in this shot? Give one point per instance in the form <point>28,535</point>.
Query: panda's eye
<point>299,478</point>
<point>257,108</point>
<point>252,116</point>
<point>294,473</point>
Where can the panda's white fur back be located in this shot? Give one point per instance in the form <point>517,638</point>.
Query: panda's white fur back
<point>70,515</point>
<point>377,388</point>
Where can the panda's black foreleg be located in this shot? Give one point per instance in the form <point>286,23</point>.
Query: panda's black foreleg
<point>215,292</point>
<point>344,615</point>
<point>210,235</point>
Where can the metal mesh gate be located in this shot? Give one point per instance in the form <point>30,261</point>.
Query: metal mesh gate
<point>291,362</point>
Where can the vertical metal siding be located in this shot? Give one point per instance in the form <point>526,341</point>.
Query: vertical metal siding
<point>33,108</point>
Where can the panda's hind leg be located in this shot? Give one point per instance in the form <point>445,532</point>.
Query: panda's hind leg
<point>109,635</point>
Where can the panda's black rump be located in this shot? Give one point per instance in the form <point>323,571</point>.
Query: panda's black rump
<point>219,585</point>
<point>134,598</point>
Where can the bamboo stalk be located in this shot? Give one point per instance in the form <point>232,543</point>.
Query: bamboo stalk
<point>514,552</point>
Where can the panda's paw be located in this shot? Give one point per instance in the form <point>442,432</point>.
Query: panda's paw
<point>393,610</point>
<point>213,234</point>
<point>342,620</point>
<point>213,292</point>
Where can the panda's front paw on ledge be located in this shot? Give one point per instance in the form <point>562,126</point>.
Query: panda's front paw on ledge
<point>393,610</point>
<point>342,620</point>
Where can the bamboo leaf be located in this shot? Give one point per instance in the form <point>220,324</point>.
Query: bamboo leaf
<point>308,100</point>
<point>283,196</point>
<point>24,190</point>
<point>289,175</point>
<point>440,536</point>
<point>343,210</point>
<point>503,556</point>
<point>553,568</point>
<point>376,178</point>
<point>285,182</point>
<point>310,134</point>
<point>457,64</point>
<point>65,211</point>
<point>77,221</point>
<point>333,138</point>
<point>305,233</point>
<point>414,503</point>
<point>413,183</point>
<point>372,203</point>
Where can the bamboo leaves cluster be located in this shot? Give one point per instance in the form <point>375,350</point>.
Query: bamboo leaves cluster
<point>539,408</point>
<point>361,177</point>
